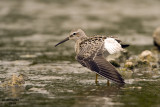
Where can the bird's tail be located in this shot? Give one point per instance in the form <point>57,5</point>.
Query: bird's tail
<point>125,45</point>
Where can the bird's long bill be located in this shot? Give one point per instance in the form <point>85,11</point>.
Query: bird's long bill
<point>62,41</point>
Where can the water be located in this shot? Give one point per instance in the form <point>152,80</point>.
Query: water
<point>69,84</point>
<point>29,29</point>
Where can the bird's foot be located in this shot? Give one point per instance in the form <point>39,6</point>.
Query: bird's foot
<point>96,82</point>
<point>108,84</point>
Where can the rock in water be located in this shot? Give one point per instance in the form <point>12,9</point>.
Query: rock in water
<point>156,37</point>
<point>129,64</point>
<point>147,56</point>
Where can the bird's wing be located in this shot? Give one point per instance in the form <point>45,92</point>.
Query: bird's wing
<point>95,61</point>
<point>105,69</point>
<point>112,45</point>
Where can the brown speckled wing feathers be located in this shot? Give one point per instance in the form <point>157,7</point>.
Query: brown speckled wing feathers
<point>91,56</point>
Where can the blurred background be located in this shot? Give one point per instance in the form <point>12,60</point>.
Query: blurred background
<point>49,76</point>
<point>31,28</point>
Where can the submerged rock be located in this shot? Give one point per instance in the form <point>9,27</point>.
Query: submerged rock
<point>154,66</point>
<point>147,56</point>
<point>124,56</point>
<point>156,37</point>
<point>129,65</point>
<point>15,80</point>
<point>143,63</point>
<point>127,73</point>
<point>118,58</point>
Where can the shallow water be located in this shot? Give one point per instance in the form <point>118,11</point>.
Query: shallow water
<point>69,84</point>
<point>29,29</point>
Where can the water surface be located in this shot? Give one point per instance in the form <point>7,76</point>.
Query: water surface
<point>29,29</point>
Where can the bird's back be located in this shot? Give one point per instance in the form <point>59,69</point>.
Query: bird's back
<point>90,45</point>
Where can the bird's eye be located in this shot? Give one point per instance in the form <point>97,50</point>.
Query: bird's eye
<point>74,33</point>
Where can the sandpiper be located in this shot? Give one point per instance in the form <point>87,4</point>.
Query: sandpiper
<point>90,53</point>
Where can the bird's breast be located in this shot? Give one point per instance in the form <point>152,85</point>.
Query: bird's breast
<point>76,47</point>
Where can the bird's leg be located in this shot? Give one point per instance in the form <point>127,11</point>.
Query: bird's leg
<point>108,84</point>
<point>96,81</point>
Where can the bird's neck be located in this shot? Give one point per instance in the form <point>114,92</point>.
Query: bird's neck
<point>77,43</point>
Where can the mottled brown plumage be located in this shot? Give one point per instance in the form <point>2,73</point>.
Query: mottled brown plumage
<point>89,53</point>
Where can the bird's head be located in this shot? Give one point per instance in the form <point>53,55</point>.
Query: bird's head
<point>74,35</point>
